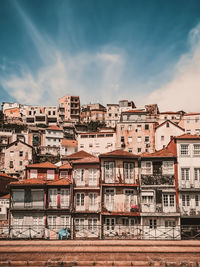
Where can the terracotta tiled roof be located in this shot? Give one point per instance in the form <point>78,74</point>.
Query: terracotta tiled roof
<point>176,125</point>
<point>65,166</point>
<point>119,153</point>
<point>6,196</point>
<point>54,127</point>
<point>163,153</point>
<point>7,176</point>
<point>188,137</point>
<point>78,155</point>
<point>135,111</point>
<point>170,112</point>
<point>62,181</point>
<point>33,181</point>
<point>67,142</point>
<point>43,165</point>
<point>191,114</point>
<point>86,160</point>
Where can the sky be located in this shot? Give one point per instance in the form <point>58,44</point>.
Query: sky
<point>147,51</point>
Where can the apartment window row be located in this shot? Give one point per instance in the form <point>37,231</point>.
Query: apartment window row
<point>137,128</point>
<point>167,167</point>
<point>188,150</point>
<point>186,200</point>
<point>186,174</point>
<point>80,175</point>
<point>50,174</point>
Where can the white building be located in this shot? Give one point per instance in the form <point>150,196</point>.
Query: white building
<point>164,132</point>
<point>53,136</point>
<point>188,155</point>
<point>4,207</point>
<point>97,143</point>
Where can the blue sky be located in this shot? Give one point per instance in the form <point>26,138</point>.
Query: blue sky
<point>102,50</point>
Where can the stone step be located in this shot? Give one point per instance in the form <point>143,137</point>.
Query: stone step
<point>98,263</point>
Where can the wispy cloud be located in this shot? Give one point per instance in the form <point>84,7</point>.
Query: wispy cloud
<point>183,91</point>
<point>93,76</point>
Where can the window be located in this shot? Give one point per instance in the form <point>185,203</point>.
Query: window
<point>171,200</point>
<point>64,221</point>
<point>93,201</point>
<point>52,221</point>
<point>21,153</point>
<point>188,120</point>
<point>109,199</point>
<point>146,126</point>
<point>165,200</point>
<point>152,224</point>
<point>196,151</point>
<point>92,225</point>
<point>11,164</point>
<point>139,139</point>
<point>170,223</point>
<point>130,150</point>
<point>80,200</point>
<point>185,174</point>
<point>130,139</point>
<point>184,150</point>
<point>185,200</point>
<point>122,127</point>
<point>63,174</point>
<point>147,199</point>
<point>80,177</point>
<point>197,174</point>
<point>33,173</point>
<point>139,149</point>
<point>196,119</point>
<point>92,177</point>
<point>81,145</point>
<point>146,167</point>
<point>128,172</point>
<point>50,174</point>
<point>167,124</point>
<point>162,138</point>
<point>53,198</point>
<point>110,224</point>
<point>11,153</point>
<point>146,139</point>
<point>165,117</point>
<point>168,168</point>
<point>129,197</point>
<point>64,198</point>
<point>20,163</point>
<point>109,171</point>
<point>139,127</point>
<point>197,200</point>
<point>130,127</point>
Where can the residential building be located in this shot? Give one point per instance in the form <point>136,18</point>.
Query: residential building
<point>159,196</point>
<point>112,115</point>
<point>93,112</point>
<point>17,156</point>
<point>188,156</point>
<point>86,186</point>
<point>75,156</point>
<point>125,105</point>
<point>97,143</point>
<point>136,132</point>
<point>37,115</point>
<point>41,205</point>
<point>191,123</point>
<point>164,132</point>
<point>69,108</point>
<point>68,147</point>
<point>120,213</point>
<point>173,116</point>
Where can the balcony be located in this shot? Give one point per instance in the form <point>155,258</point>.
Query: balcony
<point>157,180</point>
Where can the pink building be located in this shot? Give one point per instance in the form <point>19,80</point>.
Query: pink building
<point>69,108</point>
<point>86,176</point>
<point>191,123</point>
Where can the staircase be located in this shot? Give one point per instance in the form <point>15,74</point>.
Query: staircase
<point>99,253</point>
